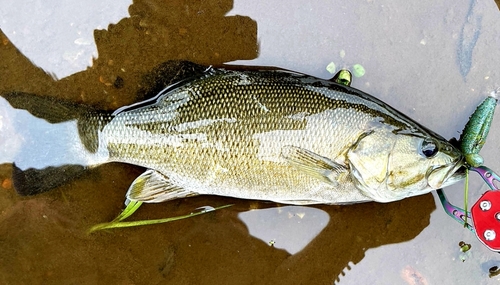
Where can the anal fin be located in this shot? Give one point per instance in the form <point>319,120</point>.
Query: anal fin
<point>154,187</point>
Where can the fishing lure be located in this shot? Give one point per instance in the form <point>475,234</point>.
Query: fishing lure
<point>476,130</point>
<point>474,137</point>
<point>485,211</point>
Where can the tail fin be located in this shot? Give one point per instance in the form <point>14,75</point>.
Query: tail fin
<point>44,107</point>
<point>54,150</point>
<point>55,111</point>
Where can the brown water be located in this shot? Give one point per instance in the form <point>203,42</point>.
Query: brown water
<point>433,61</point>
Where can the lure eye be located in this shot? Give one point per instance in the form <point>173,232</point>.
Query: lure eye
<point>428,148</point>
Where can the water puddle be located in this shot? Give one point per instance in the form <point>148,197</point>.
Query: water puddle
<point>433,61</point>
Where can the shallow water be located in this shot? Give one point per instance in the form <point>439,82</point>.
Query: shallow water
<point>432,61</point>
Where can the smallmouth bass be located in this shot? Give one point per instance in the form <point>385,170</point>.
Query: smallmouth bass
<point>267,135</point>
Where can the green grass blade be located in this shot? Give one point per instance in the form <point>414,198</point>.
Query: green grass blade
<point>466,196</point>
<point>132,206</point>
<point>119,224</point>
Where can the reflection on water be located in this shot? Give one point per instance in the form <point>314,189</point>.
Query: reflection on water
<point>10,139</point>
<point>291,228</point>
<point>56,36</point>
<point>410,51</point>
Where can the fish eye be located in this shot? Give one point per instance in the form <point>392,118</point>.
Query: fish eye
<point>428,148</point>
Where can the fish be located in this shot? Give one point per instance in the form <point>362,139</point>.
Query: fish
<point>265,135</point>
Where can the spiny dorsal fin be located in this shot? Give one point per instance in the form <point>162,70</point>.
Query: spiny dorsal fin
<point>166,74</point>
<point>163,79</point>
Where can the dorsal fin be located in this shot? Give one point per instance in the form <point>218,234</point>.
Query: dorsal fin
<point>164,78</point>
<point>166,74</point>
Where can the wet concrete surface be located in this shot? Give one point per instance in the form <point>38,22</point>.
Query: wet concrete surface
<point>412,54</point>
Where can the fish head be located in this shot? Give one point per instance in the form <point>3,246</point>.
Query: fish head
<point>389,165</point>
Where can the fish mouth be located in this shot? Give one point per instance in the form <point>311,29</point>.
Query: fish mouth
<point>446,175</point>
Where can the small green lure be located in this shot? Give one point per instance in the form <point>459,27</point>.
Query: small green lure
<point>474,137</point>
<point>343,77</point>
<point>476,130</point>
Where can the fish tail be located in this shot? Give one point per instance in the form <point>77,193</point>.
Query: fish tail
<point>51,109</point>
<point>54,146</point>
<point>54,110</point>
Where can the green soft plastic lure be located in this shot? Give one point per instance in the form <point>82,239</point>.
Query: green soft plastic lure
<point>474,137</point>
<point>476,130</point>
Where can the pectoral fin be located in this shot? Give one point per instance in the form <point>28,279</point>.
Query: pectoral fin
<point>154,187</point>
<point>314,164</point>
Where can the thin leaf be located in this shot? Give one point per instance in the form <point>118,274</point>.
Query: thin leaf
<point>119,224</point>
<point>132,206</point>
